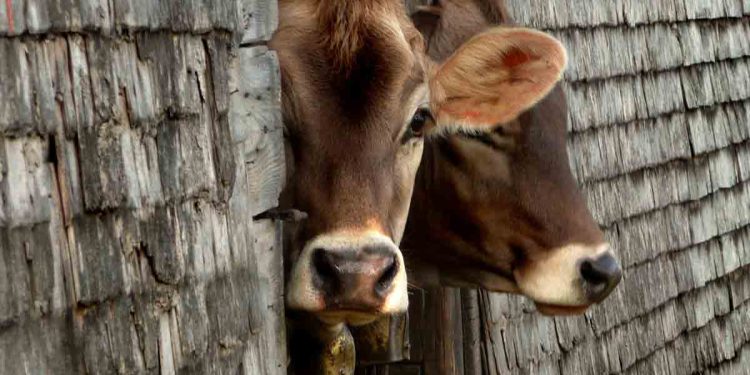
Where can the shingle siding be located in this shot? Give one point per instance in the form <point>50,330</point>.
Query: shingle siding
<point>136,141</point>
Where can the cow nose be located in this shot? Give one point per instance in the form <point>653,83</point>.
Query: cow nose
<point>355,279</point>
<point>600,276</point>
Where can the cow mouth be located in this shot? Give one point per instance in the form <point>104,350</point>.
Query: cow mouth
<point>560,310</point>
<point>349,317</point>
<point>500,282</point>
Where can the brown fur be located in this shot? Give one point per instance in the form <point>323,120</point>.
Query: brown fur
<point>493,203</point>
<point>496,202</point>
<point>344,26</point>
<point>353,75</point>
<point>329,98</point>
<point>348,67</point>
<point>467,19</point>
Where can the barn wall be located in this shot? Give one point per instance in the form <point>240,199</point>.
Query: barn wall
<point>136,142</point>
<point>659,96</point>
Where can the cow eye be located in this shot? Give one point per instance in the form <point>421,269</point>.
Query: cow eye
<point>419,122</point>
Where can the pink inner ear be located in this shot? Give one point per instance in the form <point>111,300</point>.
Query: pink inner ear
<point>461,113</point>
<point>515,57</point>
<point>469,114</point>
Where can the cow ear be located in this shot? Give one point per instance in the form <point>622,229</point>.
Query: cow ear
<point>494,77</point>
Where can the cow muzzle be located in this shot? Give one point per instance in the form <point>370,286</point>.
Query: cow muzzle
<point>349,277</point>
<point>599,276</point>
<point>570,279</point>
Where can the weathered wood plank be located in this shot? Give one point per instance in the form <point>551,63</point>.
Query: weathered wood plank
<point>736,365</point>
<point>472,335</point>
<point>642,237</point>
<point>258,20</point>
<point>16,108</point>
<point>125,244</point>
<point>256,128</point>
<point>597,53</point>
<point>443,345</point>
<point>555,14</point>
<point>626,344</point>
<point>706,347</point>
<point>25,183</point>
<point>623,99</point>
<point>604,153</point>
<point>666,184</point>
<point>109,17</point>
<point>45,344</point>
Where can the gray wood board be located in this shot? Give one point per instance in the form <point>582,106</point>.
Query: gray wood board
<point>130,166</point>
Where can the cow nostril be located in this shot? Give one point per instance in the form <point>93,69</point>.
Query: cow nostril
<point>354,278</point>
<point>601,275</point>
<point>591,274</point>
<point>386,278</point>
<point>324,268</point>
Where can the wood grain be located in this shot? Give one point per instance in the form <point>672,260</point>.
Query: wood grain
<point>129,172</point>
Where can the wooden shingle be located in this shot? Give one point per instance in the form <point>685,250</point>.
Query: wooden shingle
<point>126,188</point>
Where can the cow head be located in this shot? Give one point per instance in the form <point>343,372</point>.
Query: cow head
<point>358,96</point>
<point>501,209</point>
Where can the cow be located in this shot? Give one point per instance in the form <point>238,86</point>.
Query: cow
<point>359,95</point>
<point>501,210</point>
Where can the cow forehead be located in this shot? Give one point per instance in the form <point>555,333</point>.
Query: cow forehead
<point>348,63</point>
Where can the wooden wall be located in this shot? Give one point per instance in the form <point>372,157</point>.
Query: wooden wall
<point>136,142</point>
<point>659,96</point>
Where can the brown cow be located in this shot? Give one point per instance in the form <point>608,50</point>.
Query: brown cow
<point>358,95</point>
<point>501,210</point>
